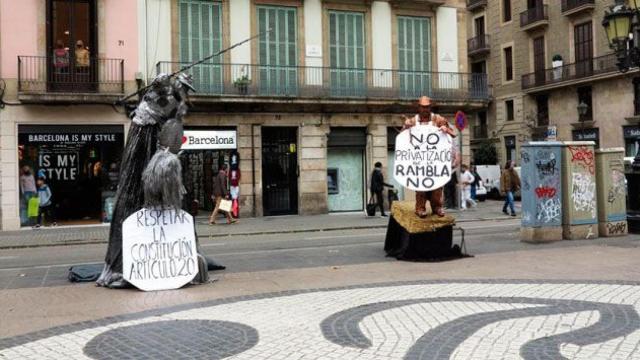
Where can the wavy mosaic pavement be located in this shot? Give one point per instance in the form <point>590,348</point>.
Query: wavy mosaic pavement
<point>425,320</point>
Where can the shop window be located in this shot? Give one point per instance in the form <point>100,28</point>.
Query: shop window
<point>584,96</point>
<point>631,147</point>
<point>631,140</point>
<point>332,181</point>
<point>81,165</point>
<point>590,134</point>
<point>508,63</point>
<point>509,111</point>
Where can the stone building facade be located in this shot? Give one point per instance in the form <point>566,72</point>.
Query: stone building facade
<point>62,66</point>
<point>308,106</point>
<point>560,57</point>
<point>340,112</point>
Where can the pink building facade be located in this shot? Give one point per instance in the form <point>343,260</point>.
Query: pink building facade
<point>64,62</point>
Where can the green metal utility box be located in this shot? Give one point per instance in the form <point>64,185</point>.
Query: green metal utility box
<point>611,187</point>
<point>579,200</point>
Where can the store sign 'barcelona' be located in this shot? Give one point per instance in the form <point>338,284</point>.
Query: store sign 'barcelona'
<point>203,140</point>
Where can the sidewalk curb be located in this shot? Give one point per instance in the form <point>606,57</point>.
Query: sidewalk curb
<point>222,235</point>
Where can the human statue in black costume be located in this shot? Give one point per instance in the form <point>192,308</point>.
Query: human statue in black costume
<point>151,171</point>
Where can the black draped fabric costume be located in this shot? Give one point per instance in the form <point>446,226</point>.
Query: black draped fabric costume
<point>141,146</point>
<point>154,137</point>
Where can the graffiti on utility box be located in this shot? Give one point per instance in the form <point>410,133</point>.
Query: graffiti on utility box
<point>584,157</point>
<point>617,228</point>
<point>541,188</point>
<point>583,193</point>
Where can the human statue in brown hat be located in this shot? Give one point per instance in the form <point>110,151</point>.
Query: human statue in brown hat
<point>425,116</point>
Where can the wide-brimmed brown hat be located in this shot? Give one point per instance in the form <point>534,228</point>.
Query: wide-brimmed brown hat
<point>424,101</point>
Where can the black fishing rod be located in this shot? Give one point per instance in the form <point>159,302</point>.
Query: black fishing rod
<point>124,99</point>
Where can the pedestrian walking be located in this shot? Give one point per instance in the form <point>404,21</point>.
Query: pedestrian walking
<point>220,192</point>
<point>466,181</point>
<point>27,190</point>
<point>377,186</point>
<point>476,182</point>
<point>509,183</point>
<point>46,204</point>
<point>234,190</point>
<point>449,192</point>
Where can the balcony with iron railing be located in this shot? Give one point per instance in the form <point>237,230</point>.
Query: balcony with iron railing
<point>571,7</point>
<point>292,83</point>
<point>478,45</point>
<point>534,18</point>
<point>476,4</point>
<point>571,73</point>
<point>40,76</point>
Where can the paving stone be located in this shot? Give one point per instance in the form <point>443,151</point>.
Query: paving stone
<point>420,320</point>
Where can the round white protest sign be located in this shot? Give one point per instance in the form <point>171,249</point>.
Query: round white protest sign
<point>422,160</point>
<point>159,249</point>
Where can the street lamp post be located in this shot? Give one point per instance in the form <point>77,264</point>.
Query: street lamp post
<point>622,26</point>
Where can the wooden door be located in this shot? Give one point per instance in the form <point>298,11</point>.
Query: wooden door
<point>539,60</point>
<point>583,40</point>
<point>479,22</point>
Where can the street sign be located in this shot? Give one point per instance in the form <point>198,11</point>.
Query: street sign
<point>461,121</point>
<point>422,158</point>
<point>159,249</point>
<point>552,133</point>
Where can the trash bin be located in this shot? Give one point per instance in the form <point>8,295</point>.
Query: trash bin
<point>541,191</point>
<point>610,185</point>
<point>579,201</point>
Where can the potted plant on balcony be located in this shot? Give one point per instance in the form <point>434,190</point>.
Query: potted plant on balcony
<point>242,84</point>
<point>557,63</point>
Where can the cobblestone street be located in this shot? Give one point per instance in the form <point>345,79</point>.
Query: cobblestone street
<point>419,320</point>
<point>567,300</point>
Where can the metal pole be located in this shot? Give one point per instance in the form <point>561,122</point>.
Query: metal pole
<point>459,176</point>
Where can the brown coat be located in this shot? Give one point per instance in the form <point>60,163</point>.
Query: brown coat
<point>220,184</point>
<point>509,181</point>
